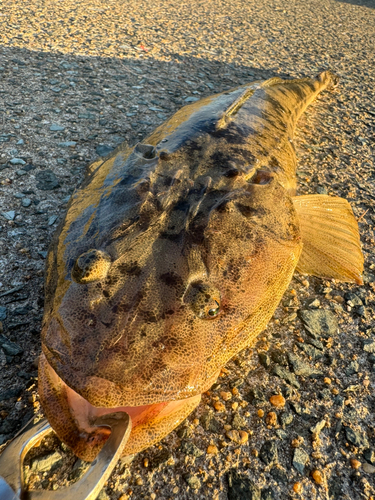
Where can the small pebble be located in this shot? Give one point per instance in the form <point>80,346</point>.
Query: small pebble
<point>297,442</point>
<point>300,458</point>
<point>317,476</point>
<point>9,215</point>
<point>239,437</point>
<point>219,406</point>
<point>315,304</point>
<point>355,464</point>
<point>277,400</point>
<point>67,144</point>
<point>297,487</point>
<point>212,449</point>
<point>260,413</point>
<point>193,482</point>
<point>17,161</point>
<point>225,396</point>
<point>369,469</point>
<point>271,418</point>
<point>56,128</point>
<point>25,202</point>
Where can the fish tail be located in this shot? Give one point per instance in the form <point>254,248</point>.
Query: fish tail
<point>329,79</point>
<point>273,112</point>
<point>296,95</point>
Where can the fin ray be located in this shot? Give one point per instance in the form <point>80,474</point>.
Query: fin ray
<point>329,230</point>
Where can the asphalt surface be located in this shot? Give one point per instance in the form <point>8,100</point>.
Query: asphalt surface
<point>77,79</point>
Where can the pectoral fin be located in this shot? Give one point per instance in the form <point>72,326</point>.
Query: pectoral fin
<point>329,231</point>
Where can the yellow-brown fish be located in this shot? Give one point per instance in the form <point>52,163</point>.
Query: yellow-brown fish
<point>174,255</point>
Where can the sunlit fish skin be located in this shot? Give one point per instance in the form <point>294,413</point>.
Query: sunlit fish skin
<point>174,255</point>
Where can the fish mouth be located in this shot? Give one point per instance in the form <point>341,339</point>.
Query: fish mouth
<point>72,417</point>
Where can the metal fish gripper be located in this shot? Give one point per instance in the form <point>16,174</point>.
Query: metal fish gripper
<point>12,485</point>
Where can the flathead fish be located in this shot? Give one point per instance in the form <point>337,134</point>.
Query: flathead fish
<point>173,256</point>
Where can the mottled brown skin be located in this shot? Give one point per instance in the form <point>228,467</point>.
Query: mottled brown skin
<point>172,259</point>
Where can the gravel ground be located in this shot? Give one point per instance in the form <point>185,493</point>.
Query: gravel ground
<point>78,78</point>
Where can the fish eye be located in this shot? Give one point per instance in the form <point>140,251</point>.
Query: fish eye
<point>204,300</point>
<point>214,311</point>
<point>90,266</point>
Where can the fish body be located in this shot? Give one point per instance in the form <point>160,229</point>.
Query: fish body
<point>173,256</point>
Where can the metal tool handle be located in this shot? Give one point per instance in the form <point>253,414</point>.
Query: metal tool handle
<point>6,492</point>
<point>89,486</point>
<point>11,460</point>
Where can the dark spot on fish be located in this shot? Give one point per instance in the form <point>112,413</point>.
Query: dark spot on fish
<point>245,210</point>
<point>128,179</point>
<point>276,105</point>
<point>121,308</point>
<point>219,159</point>
<point>299,92</point>
<point>234,271</point>
<point>182,205</point>
<point>163,155</point>
<point>233,134</point>
<point>168,342</point>
<point>106,324</point>
<point>192,146</point>
<point>111,280</point>
<point>106,293</point>
<point>197,228</point>
<point>222,206</point>
<point>150,317</point>
<point>168,180</point>
<point>171,279</point>
<point>130,268</point>
<point>172,236</point>
<point>274,162</point>
<point>261,177</point>
<point>310,85</point>
<point>213,196</point>
<point>233,172</point>
<point>197,235</point>
<point>143,187</point>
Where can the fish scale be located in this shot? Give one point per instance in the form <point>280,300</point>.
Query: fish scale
<point>173,256</point>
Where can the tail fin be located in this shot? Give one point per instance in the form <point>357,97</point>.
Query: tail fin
<point>294,96</point>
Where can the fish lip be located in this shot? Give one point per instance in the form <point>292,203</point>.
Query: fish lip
<point>85,414</point>
<point>76,398</point>
<point>73,418</point>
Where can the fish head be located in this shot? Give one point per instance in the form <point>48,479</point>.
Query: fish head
<point>142,319</point>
